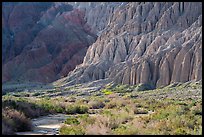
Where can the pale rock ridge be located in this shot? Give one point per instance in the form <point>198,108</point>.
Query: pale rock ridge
<point>146,42</point>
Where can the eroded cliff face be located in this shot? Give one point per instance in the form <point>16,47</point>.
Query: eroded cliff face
<point>42,41</point>
<point>131,42</point>
<point>146,42</point>
<point>97,14</point>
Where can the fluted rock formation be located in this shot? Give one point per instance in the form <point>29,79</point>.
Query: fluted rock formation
<point>42,41</point>
<point>146,42</point>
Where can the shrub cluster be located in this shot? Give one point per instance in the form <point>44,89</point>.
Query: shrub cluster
<point>14,121</point>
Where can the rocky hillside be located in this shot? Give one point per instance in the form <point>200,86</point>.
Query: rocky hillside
<point>144,42</point>
<point>42,41</point>
<point>156,43</point>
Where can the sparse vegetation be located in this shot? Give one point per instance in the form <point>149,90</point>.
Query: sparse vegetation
<point>71,130</point>
<point>168,116</point>
<point>148,112</point>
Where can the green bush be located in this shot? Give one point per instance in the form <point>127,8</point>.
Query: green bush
<point>76,109</point>
<point>123,88</point>
<point>180,131</point>
<point>170,111</point>
<point>107,92</point>
<point>71,130</point>
<point>86,119</point>
<point>72,121</point>
<point>47,106</point>
<point>125,130</point>
<point>59,109</point>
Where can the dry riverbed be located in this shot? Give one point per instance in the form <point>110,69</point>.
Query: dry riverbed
<point>46,125</point>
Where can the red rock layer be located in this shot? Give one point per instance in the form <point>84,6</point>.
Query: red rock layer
<point>44,43</point>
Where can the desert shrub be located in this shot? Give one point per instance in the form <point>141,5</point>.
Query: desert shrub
<point>85,119</point>
<point>98,129</point>
<point>117,103</point>
<point>52,106</point>
<point>96,104</point>
<point>111,105</point>
<point>18,120</point>
<point>21,94</point>
<point>180,131</point>
<point>72,99</point>
<point>30,110</point>
<point>124,117</point>
<point>113,118</point>
<point>143,87</point>
<point>102,125</point>
<point>36,94</point>
<point>170,111</point>
<point>161,115</point>
<point>108,121</point>
<point>133,95</point>
<point>180,103</point>
<point>47,106</point>
<point>51,91</point>
<point>80,109</point>
<point>123,88</point>
<point>140,111</point>
<point>72,121</point>
<point>59,109</point>
<point>196,110</point>
<point>125,130</point>
<point>71,130</point>
<point>71,110</point>
<point>83,116</point>
<point>106,112</point>
<point>16,95</point>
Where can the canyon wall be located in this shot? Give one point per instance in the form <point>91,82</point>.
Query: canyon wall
<point>42,41</point>
<point>146,42</point>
